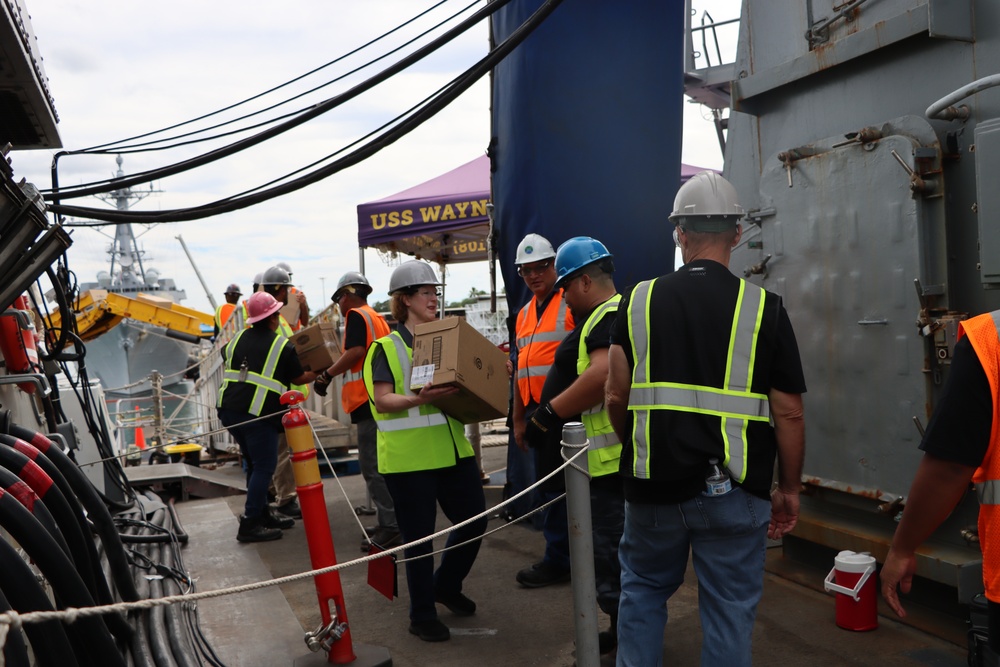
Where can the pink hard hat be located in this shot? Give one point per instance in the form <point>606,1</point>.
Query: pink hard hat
<point>260,306</point>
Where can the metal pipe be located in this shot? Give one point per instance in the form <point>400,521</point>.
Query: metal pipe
<point>204,286</point>
<point>36,379</point>
<point>581,547</point>
<point>938,109</point>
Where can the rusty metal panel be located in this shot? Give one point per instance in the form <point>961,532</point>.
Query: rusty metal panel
<point>847,242</point>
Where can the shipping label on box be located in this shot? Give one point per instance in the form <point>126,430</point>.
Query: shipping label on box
<point>451,352</point>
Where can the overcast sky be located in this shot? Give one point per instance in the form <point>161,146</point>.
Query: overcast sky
<point>120,68</point>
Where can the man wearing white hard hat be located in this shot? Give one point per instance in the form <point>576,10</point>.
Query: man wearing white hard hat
<point>704,392</point>
<point>540,326</point>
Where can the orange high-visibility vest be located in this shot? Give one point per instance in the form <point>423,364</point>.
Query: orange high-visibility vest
<point>984,334</point>
<point>223,313</point>
<point>537,340</point>
<point>354,394</point>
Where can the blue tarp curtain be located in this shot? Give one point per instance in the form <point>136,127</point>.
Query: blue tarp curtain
<point>586,121</point>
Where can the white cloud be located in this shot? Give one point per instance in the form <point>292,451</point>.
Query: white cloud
<point>119,68</point>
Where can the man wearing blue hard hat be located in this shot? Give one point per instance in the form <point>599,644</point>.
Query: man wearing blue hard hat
<point>574,391</point>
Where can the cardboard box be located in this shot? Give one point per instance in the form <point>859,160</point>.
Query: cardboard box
<point>318,346</point>
<point>451,352</point>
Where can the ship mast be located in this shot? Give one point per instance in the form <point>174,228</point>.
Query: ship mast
<point>124,248</point>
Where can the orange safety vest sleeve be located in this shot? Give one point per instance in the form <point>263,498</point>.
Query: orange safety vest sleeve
<point>537,340</point>
<point>354,395</point>
<point>983,333</point>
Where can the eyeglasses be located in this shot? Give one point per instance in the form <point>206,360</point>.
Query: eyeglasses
<point>534,269</point>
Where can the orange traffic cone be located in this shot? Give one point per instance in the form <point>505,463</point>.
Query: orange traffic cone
<point>140,438</point>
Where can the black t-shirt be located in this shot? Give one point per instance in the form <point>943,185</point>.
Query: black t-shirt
<point>960,427</point>
<point>561,375</point>
<point>356,335</point>
<point>691,318</point>
<point>253,346</point>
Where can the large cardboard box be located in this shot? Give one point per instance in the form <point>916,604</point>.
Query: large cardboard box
<point>451,352</point>
<point>318,346</point>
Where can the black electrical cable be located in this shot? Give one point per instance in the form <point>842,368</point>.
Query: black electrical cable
<point>315,111</point>
<point>148,146</point>
<point>25,495</point>
<point>141,648</point>
<point>224,206</point>
<point>49,641</point>
<point>194,624</point>
<point>68,515</point>
<point>93,149</point>
<point>22,439</point>
<point>181,646</point>
<point>90,633</point>
<point>15,651</point>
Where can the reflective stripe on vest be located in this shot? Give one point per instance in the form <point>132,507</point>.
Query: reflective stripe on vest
<point>537,340</point>
<point>353,394</point>
<point>604,447</point>
<point>421,438</point>
<point>733,403</point>
<point>263,381</point>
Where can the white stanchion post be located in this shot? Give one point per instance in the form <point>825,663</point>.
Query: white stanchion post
<point>581,546</point>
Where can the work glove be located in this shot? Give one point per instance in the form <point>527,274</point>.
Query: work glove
<point>321,383</point>
<point>544,423</point>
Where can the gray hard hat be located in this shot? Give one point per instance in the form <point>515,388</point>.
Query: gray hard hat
<point>284,265</point>
<point>257,278</point>
<point>354,280</point>
<point>411,274</point>
<point>275,276</point>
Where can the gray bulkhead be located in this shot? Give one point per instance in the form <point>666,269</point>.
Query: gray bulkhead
<point>867,219</point>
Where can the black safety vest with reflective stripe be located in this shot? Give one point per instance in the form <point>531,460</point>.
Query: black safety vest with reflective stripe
<point>263,381</point>
<point>733,402</point>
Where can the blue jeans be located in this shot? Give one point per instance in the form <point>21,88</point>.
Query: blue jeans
<point>727,537</point>
<point>258,443</point>
<point>459,491</point>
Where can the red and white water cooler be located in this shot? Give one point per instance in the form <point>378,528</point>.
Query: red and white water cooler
<point>853,579</point>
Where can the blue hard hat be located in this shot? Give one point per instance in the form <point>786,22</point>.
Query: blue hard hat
<point>577,253</point>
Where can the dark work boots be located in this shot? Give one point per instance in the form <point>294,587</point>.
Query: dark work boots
<point>254,530</point>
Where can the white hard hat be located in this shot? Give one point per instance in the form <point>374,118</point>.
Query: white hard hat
<point>534,248</point>
<point>707,203</point>
<point>411,274</point>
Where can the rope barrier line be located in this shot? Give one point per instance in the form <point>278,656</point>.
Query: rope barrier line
<point>13,619</point>
<point>179,441</point>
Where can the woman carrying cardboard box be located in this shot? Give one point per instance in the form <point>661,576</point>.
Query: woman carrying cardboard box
<point>425,458</point>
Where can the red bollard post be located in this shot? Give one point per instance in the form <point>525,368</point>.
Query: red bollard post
<point>316,521</point>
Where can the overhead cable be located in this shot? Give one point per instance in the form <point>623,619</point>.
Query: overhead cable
<point>454,89</point>
<point>150,146</point>
<point>261,94</point>
<point>307,115</point>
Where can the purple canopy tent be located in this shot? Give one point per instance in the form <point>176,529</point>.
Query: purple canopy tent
<point>445,219</point>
